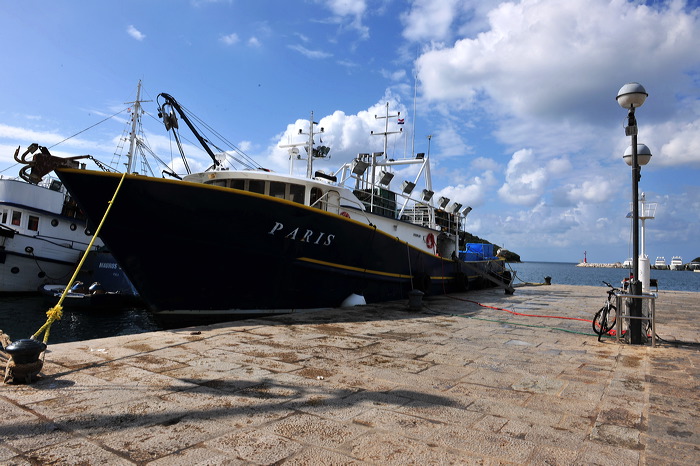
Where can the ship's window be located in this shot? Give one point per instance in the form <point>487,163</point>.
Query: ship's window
<point>218,183</point>
<point>33,223</point>
<point>296,193</point>
<point>236,184</point>
<point>277,189</point>
<point>16,217</point>
<point>256,186</point>
<point>4,216</point>
<point>316,194</point>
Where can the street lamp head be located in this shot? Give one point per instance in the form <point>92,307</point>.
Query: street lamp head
<point>643,155</point>
<point>631,95</point>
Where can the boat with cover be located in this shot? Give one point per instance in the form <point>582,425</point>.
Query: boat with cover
<point>230,241</point>
<point>42,231</point>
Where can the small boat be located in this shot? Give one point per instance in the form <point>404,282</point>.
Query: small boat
<point>694,266</point>
<point>676,263</point>
<point>627,264</point>
<point>237,239</point>
<point>90,298</point>
<point>660,263</point>
<point>109,287</point>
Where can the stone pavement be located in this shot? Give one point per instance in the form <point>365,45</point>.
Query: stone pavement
<point>453,383</point>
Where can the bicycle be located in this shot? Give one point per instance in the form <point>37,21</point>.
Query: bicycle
<point>605,318</point>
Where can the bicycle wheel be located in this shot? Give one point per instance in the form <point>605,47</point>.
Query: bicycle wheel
<point>602,322</point>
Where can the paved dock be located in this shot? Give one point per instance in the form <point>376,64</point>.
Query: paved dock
<point>456,382</point>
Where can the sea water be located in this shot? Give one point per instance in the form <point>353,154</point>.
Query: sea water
<point>565,273</point>
<point>23,316</point>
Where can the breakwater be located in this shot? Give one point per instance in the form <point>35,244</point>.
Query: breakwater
<point>614,265</point>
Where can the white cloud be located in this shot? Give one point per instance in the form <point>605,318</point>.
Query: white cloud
<point>474,193</point>
<point>483,163</point>
<point>526,179</point>
<point>429,20</point>
<point>230,39</point>
<point>308,53</point>
<point>353,9</point>
<point>254,42</point>
<point>682,147</point>
<point>135,33</point>
<point>546,58</point>
<point>596,189</point>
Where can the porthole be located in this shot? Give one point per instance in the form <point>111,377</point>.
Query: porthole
<point>73,226</point>
<point>29,250</point>
<point>54,223</point>
<point>41,274</point>
<point>14,270</point>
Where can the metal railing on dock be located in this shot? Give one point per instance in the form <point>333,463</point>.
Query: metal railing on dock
<point>623,313</point>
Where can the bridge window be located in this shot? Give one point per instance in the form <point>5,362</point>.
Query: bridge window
<point>316,194</point>
<point>237,184</point>
<point>296,193</point>
<point>277,189</point>
<point>16,217</point>
<point>256,186</point>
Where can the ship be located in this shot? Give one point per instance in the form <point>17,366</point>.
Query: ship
<point>676,263</point>
<point>660,263</point>
<point>42,231</point>
<point>229,241</point>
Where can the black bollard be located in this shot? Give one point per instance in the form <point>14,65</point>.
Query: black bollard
<point>24,361</point>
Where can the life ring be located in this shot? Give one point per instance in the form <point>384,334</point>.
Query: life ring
<point>430,241</point>
<point>345,214</point>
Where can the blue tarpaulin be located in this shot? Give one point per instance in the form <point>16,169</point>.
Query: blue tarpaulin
<point>477,252</point>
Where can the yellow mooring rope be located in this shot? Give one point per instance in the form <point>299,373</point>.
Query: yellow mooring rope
<point>56,312</point>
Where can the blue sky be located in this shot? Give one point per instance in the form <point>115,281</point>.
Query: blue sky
<point>519,98</point>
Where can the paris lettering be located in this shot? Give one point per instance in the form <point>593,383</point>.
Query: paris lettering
<point>303,235</point>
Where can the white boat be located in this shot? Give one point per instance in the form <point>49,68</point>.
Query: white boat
<point>694,266</point>
<point>42,234</point>
<point>235,241</point>
<point>676,263</point>
<point>627,264</point>
<point>660,263</point>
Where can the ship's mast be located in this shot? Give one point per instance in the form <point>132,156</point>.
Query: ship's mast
<point>309,148</point>
<point>135,116</point>
<point>386,134</point>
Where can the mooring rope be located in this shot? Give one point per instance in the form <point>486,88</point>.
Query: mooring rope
<point>56,312</point>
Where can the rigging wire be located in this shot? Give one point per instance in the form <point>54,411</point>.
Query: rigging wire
<point>89,127</point>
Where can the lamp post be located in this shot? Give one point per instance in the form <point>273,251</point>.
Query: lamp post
<point>632,96</point>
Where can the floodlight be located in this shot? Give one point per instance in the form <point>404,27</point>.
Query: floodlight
<point>407,187</point>
<point>385,178</point>
<point>455,207</point>
<point>359,167</point>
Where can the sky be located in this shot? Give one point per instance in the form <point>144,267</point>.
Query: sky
<point>515,102</point>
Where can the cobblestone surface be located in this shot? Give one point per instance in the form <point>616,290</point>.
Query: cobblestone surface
<point>463,381</point>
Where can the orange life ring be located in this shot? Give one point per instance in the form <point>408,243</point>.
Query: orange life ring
<point>430,241</point>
